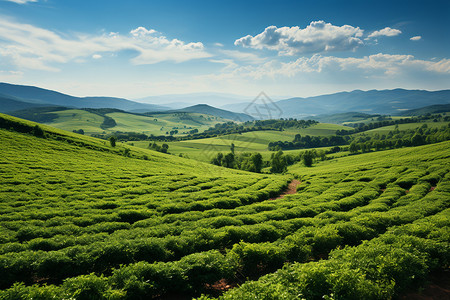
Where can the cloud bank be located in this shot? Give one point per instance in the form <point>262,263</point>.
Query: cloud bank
<point>317,37</point>
<point>376,65</point>
<point>21,1</point>
<point>30,47</point>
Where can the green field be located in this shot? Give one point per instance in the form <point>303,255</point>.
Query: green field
<point>157,124</point>
<point>83,220</point>
<point>386,129</point>
<point>255,141</point>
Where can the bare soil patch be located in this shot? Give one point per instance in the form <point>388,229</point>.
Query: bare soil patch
<point>290,190</point>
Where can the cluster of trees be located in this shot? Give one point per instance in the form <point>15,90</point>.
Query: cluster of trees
<point>304,142</point>
<point>164,148</point>
<point>79,131</point>
<point>382,122</point>
<point>252,162</point>
<point>278,162</point>
<point>399,139</point>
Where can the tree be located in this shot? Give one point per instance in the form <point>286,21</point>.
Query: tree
<point>353,147</point>
<point>278,163</point>
<point>257,161</point>
<point>37,131</point>
<point>307,158</point>
<point>112,141</point>
<point>217,160</point>
<point>232,148</point>
<point>228,160</point>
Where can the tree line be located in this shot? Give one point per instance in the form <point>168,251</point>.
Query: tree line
<point>254,162</point>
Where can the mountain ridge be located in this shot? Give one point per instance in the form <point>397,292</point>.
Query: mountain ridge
<point>41,96</point>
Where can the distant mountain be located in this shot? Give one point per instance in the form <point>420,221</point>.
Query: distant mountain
<point>46,97</point>
<point>10,103</point>
<point>217,112</point>
<point>390,102</point>
<point>177,101</point>
<point>431,109</point>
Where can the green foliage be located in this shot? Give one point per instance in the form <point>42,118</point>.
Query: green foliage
<point>94,224</point>
<point>112,141</point>
<point>278,163</point>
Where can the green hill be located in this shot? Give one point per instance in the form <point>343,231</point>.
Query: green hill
<point>431,109</point>
<point>83,220</point>
<point>97,121</point>
<point>343,117</point>
<point>207,109</point>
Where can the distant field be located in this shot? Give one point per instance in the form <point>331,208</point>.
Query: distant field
<point>75,119</point>
<point>158,124</point>
<point>386,129</point>
<point>256,141</point>
<point>374,119</point>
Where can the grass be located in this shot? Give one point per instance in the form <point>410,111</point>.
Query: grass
<point>256,141</point>
<point>74,119</point>
<point>89,222</point>
<point>157,124</point>
<point>386,129</point>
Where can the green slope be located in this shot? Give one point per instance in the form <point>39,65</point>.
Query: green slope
<point>92,223</point>
<point>91,120</point>
<point>391,209</point>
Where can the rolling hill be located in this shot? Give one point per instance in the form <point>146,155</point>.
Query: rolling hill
<point>431,109</point>
<point>84,220</point>
<point>213,111</point>
<point>45,97</point>
<point>108,120</point>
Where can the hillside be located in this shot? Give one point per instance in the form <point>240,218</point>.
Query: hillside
<point>97,121</point>
<point>342,117</point>
<point>9,104</point>
<point>46,97</point>
<point>431,109</point>
<point>76,207</point>
<point>207,109</point>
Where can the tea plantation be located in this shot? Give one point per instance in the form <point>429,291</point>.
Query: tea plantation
<point>83,220</point>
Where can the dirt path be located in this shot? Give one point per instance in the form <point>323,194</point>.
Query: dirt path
<point>291,189</point>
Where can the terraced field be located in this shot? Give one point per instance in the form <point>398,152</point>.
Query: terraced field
<point>94,224</point>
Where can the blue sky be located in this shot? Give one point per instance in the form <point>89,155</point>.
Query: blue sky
<point>135,49</point>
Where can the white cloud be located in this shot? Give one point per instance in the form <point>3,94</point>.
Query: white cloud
<point>142,32</point>
<point>21,1</point>
<point>316,37</point>
<point>218,44</point>
<point>96,56</point>
<point>378,65</point>
<point>388,31</point>
<point>416,38</point>
<point>32,47</point>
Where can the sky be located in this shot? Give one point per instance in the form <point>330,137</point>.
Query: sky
<point>134,49</point>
